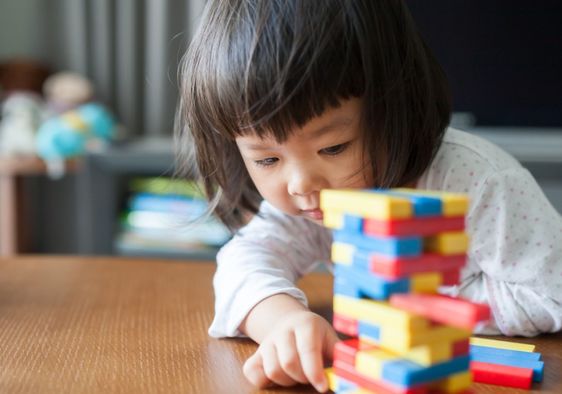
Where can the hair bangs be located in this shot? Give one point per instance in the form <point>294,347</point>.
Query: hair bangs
<point>271,77</point>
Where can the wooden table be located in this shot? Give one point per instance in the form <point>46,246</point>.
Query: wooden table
<point>74,324</point>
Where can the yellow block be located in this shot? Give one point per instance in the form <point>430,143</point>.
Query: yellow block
<point>401,341</point>
<point>371,362</point>
<point>454,204</point>
<point>366,204</point>
<point>522,347</point>
<point>333,219</point>
<point>447,243</point>
<point>342,253</point>
<point>427,355</point>
<point>332,379</point>
<point>427,282</point>
<point>454,383</point>
<point>379,313</point>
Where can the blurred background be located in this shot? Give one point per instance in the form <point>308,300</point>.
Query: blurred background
<point>88,91</point>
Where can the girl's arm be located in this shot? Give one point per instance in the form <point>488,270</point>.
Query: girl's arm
<point>256,295</point>
<point>265,258</point>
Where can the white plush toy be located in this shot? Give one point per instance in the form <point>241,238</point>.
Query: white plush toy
<point>22,114</point>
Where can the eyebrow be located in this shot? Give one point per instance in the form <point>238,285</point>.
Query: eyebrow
<point>327,128</point>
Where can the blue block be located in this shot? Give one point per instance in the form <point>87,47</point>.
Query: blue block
<point>346,288</point>
<point>406,373</point>
<point>370,330</point>
<point>345,385</point>
<point>352,224</point>
<point>371,285</point>
<point>532,356</point>
<point>390,246</point>
<point>422,205</point>
<point>536,366</point>
<point>360,259</point>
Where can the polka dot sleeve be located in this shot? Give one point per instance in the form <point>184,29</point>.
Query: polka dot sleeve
<point>515,259</point>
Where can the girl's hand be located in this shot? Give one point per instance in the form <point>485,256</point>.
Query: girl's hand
<point>293,352</point>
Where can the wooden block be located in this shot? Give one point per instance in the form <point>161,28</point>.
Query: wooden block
<point>346,287</point>
<point>366,204</point>
<point>399,267</point>
<point>443,309</point>
<point>501,375</point>
<point>490,358</point>
<point>333,219</point>
<point>426,282</point>
<point>332,379</point>
<point>365,284</point>
<point>348,349</point>
<point>371,362</point>
<point>346,325</point>
<point>454,383</point>
<point>501,344</point>
<point>517,354</point>
<point>339,385</point>
<point>449,243</point>
<point>454,204</point>
<point>451,277</point>
<point>419,226</point>
<point>353,224</point>
<point>427,355</point>
<point>389,246</point>
<point>378,312</point>
<point>342,253</point>
<point>424,355</point>
<point>348,372</point>
<point>422,205</point>
<point>405,342</point>
<point>406,373</point>
<point>368,330</point>
<point>402,341</point>
<point>461,347</point>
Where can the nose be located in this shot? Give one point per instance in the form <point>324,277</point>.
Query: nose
<point>303,181</point>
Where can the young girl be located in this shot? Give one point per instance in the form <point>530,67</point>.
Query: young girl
<point>281,99</point>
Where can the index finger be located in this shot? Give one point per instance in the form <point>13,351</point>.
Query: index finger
<point>309,347</point>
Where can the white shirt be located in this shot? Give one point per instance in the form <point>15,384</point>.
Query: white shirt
<point>514,260</point>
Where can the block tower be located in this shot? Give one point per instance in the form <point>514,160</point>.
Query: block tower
<point>392,250</point>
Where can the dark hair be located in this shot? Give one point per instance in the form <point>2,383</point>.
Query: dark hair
<point>266,66</point>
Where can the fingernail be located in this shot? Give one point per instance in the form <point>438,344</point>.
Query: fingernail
<point>321,387</point>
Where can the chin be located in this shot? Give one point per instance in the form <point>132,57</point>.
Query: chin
<point>319,222</point>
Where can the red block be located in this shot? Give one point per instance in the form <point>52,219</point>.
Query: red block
<point>461,348</point>
<point>345,325</point>
<point>451,277</point>
<point>346,351</point>
<point>501,375</point>
<point>399,267</point>
<point>414,226</point>
<point>348,372</point>
<point>443,309</point>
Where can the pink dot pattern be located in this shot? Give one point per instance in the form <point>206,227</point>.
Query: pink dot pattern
<point>515,257</point>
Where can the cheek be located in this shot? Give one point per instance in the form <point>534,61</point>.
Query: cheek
<point>267,184</point>
<point>355,173</point>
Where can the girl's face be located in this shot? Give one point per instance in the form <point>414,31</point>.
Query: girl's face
<point>327,152</point>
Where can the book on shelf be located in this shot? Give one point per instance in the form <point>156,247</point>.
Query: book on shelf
<point>168,216</point>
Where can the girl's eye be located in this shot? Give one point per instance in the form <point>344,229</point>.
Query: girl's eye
<point>266,162</point>
<point>335,150</point>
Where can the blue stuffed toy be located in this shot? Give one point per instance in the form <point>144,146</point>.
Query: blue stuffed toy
<point>69,134</point>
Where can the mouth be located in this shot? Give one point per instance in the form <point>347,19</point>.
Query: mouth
<point>314,214</point>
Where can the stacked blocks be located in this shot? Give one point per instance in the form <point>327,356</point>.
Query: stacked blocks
<point>392,250</point>
<point>505,363</point>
